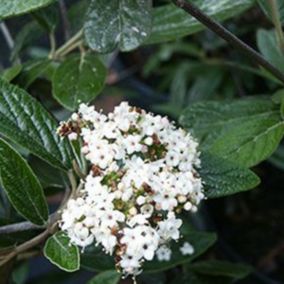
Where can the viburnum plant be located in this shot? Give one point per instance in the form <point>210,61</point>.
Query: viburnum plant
<point>128,184</point>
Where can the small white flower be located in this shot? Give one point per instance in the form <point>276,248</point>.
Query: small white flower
<point>163,253</point>
<point>186,249</point>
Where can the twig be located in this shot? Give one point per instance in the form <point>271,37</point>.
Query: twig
<point>66,24</point>
<point>18,227</point>
<point>277,23</point>
<point>73,42</point>
<point>52,45</point>
<point>228,36</point>
<point>7,35</point>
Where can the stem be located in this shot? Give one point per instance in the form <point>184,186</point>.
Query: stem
<point>52,45</point>
<point>72,47</point>
<point>7,35</point>
<point>277,23</point>
<point>64,16</point>
<point>18,227</point>
<point>29,244</point>
<point>229,37</point>
<point>72,180</point>
<point>73,41</point>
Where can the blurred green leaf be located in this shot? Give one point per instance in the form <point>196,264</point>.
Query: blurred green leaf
<point>277,158</point>
<point>194,278</point>
<point>59,251</point>
<point>76,15</point>
<point>17,7</point>
<point>47,18</point>
<point>20,274</point>
<point>77,80</point>
<point>264,4</point>
<point>118,23</point>
<point>201,241</point>
<point>106,277</point>
<point>48,176</point>
<point>21,185</point>
<point>24,121</point>
<point>27,35</point>
<point>12,72</point>
<point>221,268</point>
<point>171,22</point>
<point>268,46</point>
<point>31,71</point>
<point>95,259</point>
<point>222,177</point>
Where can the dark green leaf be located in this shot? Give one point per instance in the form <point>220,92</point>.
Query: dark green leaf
<point>76,15</point>
<point>170,22</point>
<point>199,240</point>
<point>48,176</point>
<point>118,23</point>
<point>31,71</point>
<point>27,35</point>
<point>60,252</point>
<point>277,159</point>
<point>47,18</point>
<point>222,177</point>
<point>194,278</point>
<point>24,121</point>
<point>78,80</point>
<point>246,131</point>
<point>106,277</point>
<point>21,185</point>
<point>221,268</point>
<point>268,46</point>
<point>17,7</point>
<point>94,259</point>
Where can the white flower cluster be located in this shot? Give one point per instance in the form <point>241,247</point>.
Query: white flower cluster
<point>142,173</point>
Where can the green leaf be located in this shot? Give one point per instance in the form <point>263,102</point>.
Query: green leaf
<point>21,185</point>
<point>31,71</point>
<point>47,18</point>
<point>199,240</point>
<point>48,176</point>
<point>29,33</point>
<point>221,268</point>
<point>222,177</point>
<point>245,131</point>
<point>60,252</point>
<point>265,6</point>
<point>277,159</point>
<point>106,277</point>
<point>268,46</point>
<point>17,7</point>
<point>171,22</point>
<point>78,80</point>
<point>24,121</point>
<point>76,15</point>
<point>12,72</point>
<point>94,259</point>
<point>118,23</point>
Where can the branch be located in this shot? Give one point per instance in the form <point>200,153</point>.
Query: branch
<point>66,24</point>
<point>18,227</point>
<point>7,35</point>
<point>277,23</point>
<point>229,37</point>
